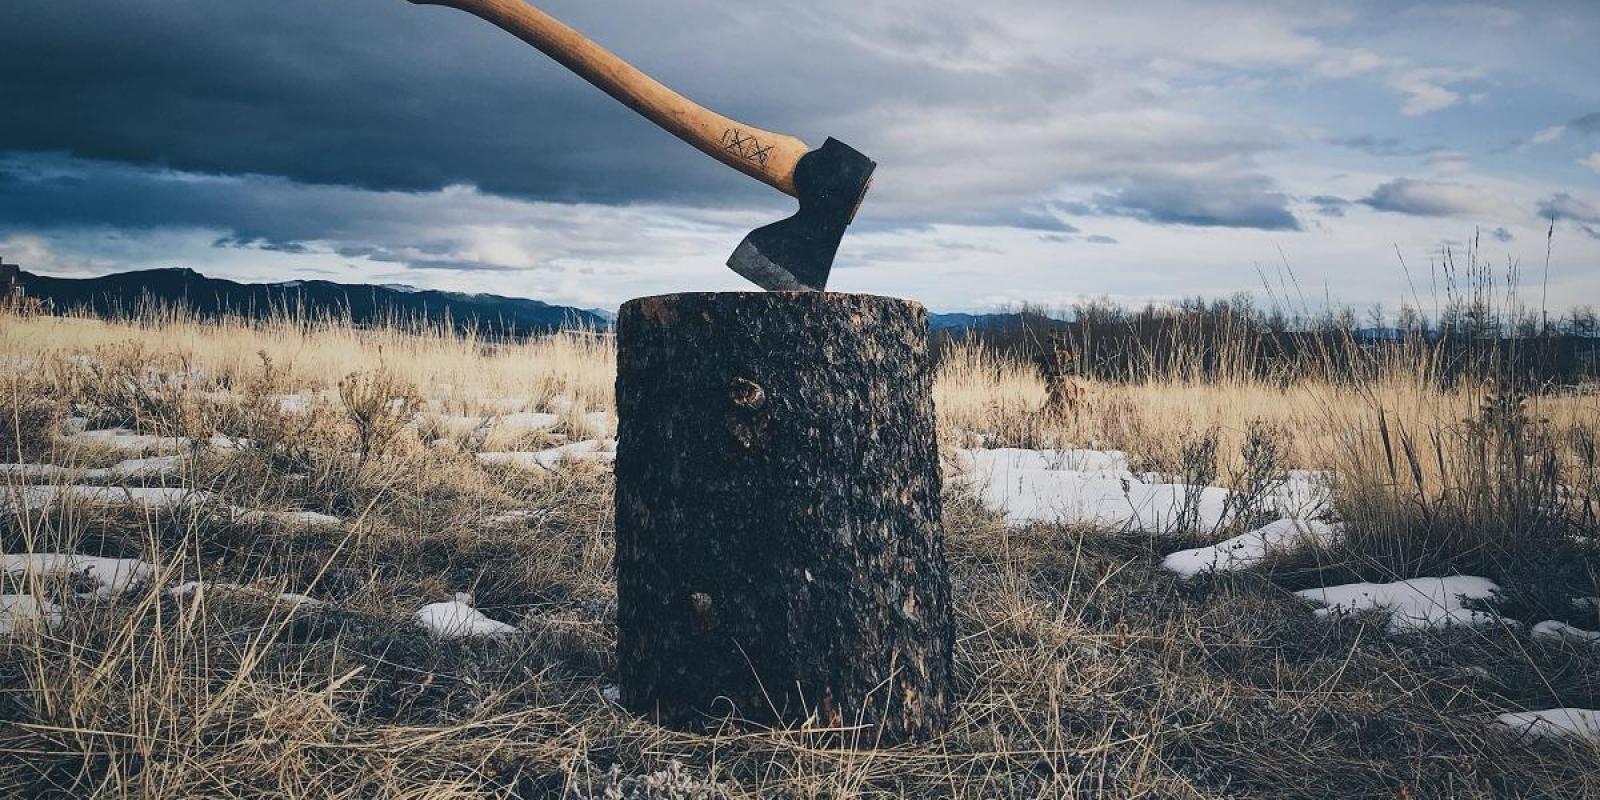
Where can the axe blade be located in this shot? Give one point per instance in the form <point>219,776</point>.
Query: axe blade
<point>796,254</point>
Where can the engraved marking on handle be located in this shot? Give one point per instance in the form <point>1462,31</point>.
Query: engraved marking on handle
<point>745,146</point>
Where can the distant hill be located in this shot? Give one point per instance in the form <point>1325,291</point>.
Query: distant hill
<point>944,322</point>
<point>124,293</point>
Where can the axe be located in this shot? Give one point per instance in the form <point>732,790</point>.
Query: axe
<point>830,181</point>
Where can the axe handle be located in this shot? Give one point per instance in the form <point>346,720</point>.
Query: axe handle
<point>763,155</point>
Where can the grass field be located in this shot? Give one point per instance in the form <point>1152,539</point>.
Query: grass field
<point>302,490</point>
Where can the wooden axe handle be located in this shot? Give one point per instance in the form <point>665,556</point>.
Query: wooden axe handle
<point>763,155</point>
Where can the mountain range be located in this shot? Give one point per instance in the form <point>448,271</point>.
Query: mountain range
<point>123,293</point>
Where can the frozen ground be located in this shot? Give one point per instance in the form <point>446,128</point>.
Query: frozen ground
<point>1096,600</point>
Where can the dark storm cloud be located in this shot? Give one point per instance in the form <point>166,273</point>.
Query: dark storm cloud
<point>372,93</point>
<point>386,95</point>
<point>1231,203</point>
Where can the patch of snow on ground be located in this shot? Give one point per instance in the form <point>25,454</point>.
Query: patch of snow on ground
<point>612,694</point>
<point>287,519</point>
<point>36,472</point>
<point>293,403</point>
<point>1249,549</point>
<point>1583,723</point>
<point>1562,632</point>
<point>527,421</point>
<point>1086,487</point>
<point>518,459</point>
<point>131,468</point>
<point>41,498</point>
<point>457,619</point>
<point>124,440</point>
<point>515,517</point>
<point>112,576</point>
<point>1416,604</point>
<point>1303,494</point>
<point>588,450</point>
<point>137,468</point>
<point>597,422</point>
<point>201,588</point>
<point>24,611</point>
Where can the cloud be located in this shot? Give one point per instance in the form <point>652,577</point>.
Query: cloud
<point>1502,234</point>
<point>1563,206</point>
<point>1448,161</point>
<point>1235,203</point>
<point>1549,135</point>
<point>1428,90</point>
<point>1586,125</point>
<point>457,228</point>
<point>1592,161</point>
<point>1032,219</point>
<point>1384,146</point>
<point>1425,198</point>
<point>1477,15</point>
<point>1329,205</point>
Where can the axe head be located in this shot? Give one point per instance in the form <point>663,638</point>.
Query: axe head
<point>796,254</point>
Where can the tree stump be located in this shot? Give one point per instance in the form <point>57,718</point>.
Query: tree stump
<point>779,552</point>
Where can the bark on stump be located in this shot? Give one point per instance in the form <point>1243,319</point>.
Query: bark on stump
<point>778,523</point>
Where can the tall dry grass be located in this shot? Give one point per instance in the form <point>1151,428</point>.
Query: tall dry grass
<point>1084,669</point>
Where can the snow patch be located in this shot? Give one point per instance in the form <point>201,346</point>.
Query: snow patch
<point>506,519</point>
<point>24,612</point>
<point>1249,549</point>
<point>1562,632</point>
<point>1303,494</point>
<point>1087,487</point>
<point>137,468</point>
<point>202,588</point>
<point>293,404</point>
<point>131,468</point>
<point>286,519</point>
<point>112,576</point>
<point>42,498</point>
<point>36,472</point>
<point>1415,604</point>
<point>124,440</point>
<point>597,422</point>
<point>457,619</point>
<point>1583,723</point>
<point>549,459</point>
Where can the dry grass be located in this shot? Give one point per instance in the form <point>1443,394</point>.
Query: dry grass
<point>1084,669</point>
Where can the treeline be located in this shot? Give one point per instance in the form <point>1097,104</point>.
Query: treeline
<point>1235,339</point>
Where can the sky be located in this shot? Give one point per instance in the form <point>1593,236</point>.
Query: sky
<point>1029,151</point>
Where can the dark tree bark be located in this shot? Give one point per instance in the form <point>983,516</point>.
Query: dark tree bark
<point>778,521</point>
